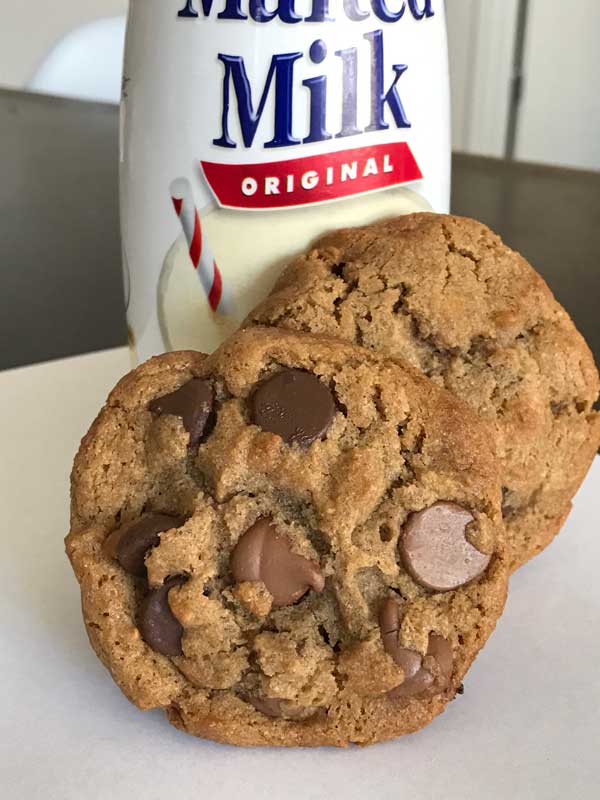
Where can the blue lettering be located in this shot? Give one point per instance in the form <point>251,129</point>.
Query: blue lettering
<point>189,10</point>
<point>320,12</point>
<point>349,93</point>
<point>318,96</point>
<point>282,69</point>
<point>419,13</point>
<point>232,10</point>
<point>379,96</point>
<point>353,12</point>
<point>285,11</point>
<point>381,10</point>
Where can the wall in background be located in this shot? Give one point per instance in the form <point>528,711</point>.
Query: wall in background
<point>481,38</point>
<point>559,112</point>
<point>559,119</point>
<point>462,34</point>
<point>29,31</point>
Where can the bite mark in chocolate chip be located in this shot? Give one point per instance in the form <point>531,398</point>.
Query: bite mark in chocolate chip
<point>434,676</point>
<point>294,405</point>
<point>277,708</point>
<point>264,554</point>
<point>269,706</point>
<point>159,627</point>
<point>389,621</point>
<point>421,676</point>
<point>193,402</point>
<point>435,551</point>
<point>130,544</point>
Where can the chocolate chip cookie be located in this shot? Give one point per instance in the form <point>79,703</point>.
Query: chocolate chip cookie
<point>294,541</point>
<point>445,294</point>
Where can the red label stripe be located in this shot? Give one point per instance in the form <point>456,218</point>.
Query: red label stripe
<point>312,179</point>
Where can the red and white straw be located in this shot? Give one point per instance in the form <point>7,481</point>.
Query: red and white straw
<point>201,254</point>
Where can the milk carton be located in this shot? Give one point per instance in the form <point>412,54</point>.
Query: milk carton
<point>250,128</point>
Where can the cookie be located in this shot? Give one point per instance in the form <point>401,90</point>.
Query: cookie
<point>294,541</point>
<point>445,294</point>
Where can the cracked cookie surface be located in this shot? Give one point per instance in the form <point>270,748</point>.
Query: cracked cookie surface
<point>445,294</point>
<point>314,557</point>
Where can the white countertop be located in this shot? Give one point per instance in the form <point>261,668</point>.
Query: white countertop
<point>528,725</point>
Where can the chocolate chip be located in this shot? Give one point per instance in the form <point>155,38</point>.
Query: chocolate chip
<point>269,706</point>
<point>434,676</point>
<point>156,622</point>
<point>420,684</point>
<point>264,554</point>
<point>389,622</point>
<point>294,405</point>
<point>132,543</point>
<point>193,402</point>
<point>421,676</point>
<point>435,550</point>
<point>277,708</point>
